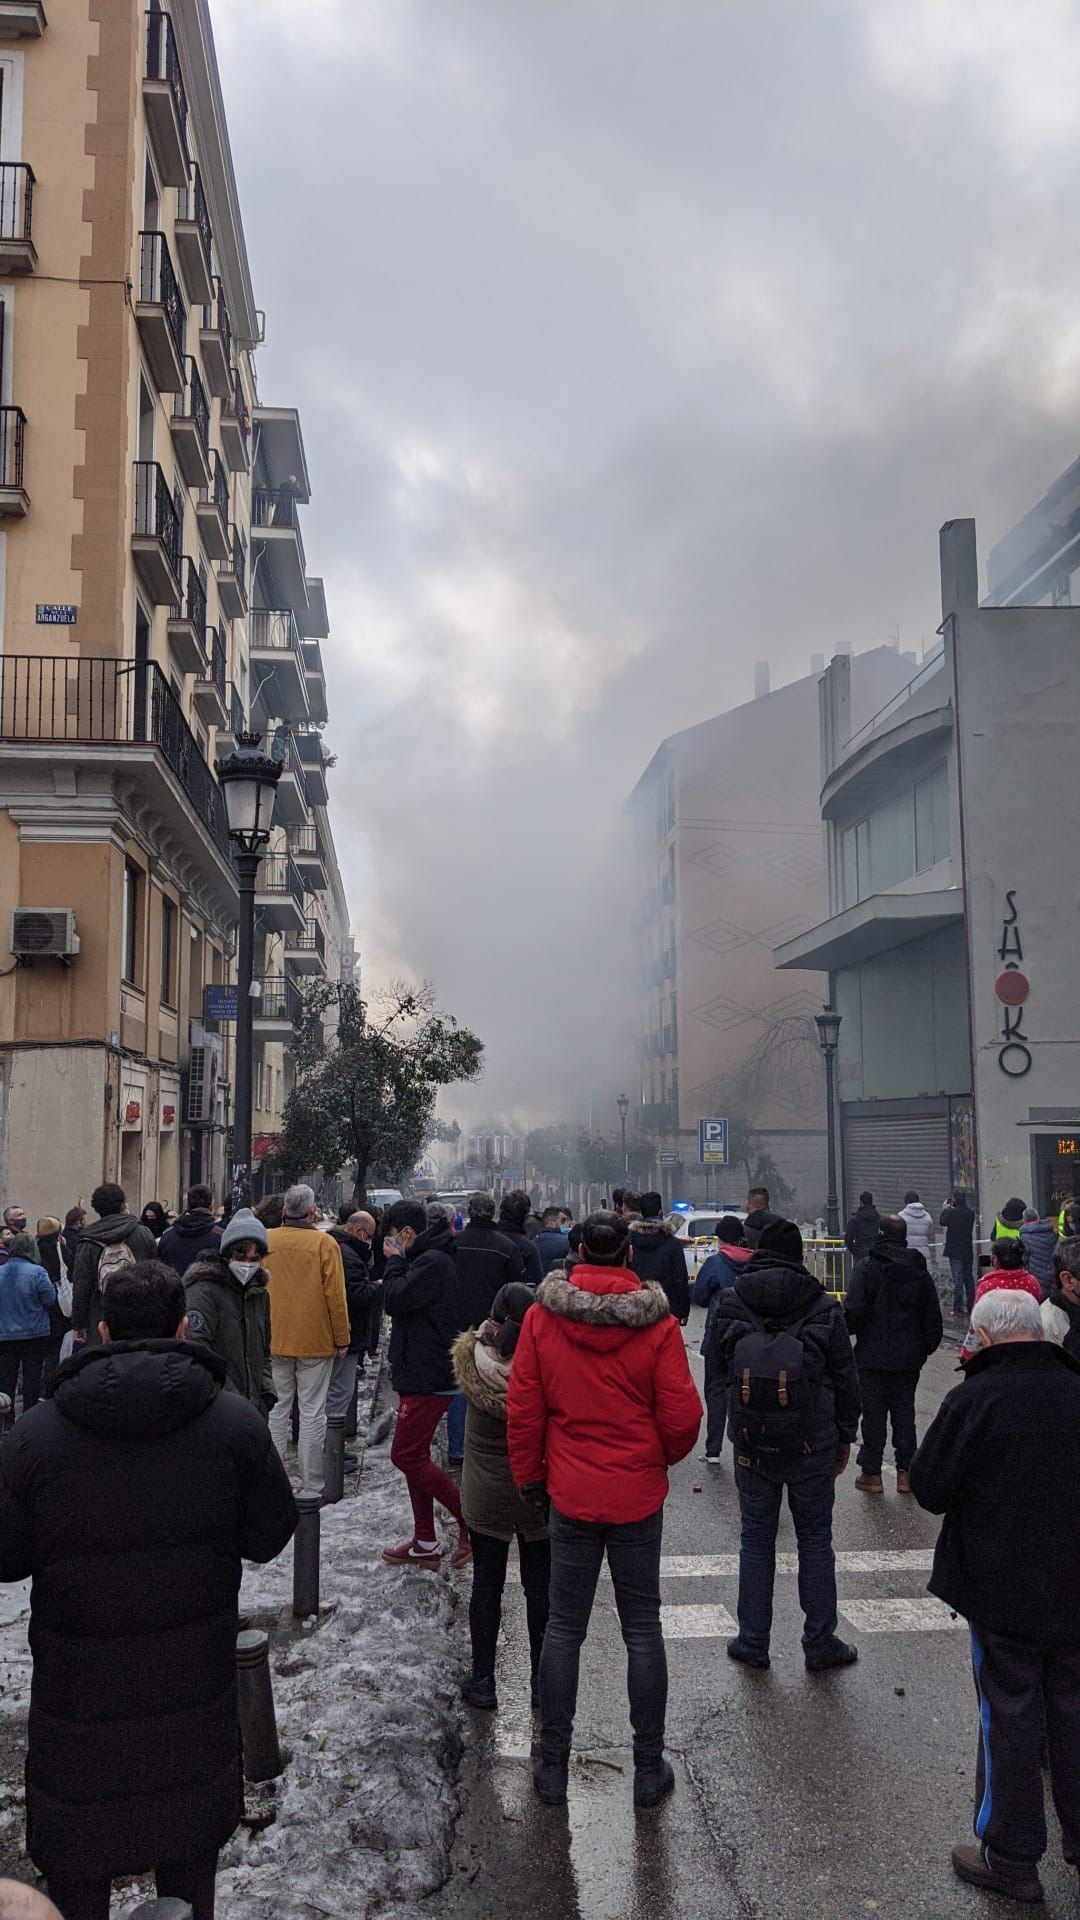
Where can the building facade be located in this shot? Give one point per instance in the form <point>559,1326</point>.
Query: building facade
<point>951,939</point>
<point>149,531</point>
<point>728,854</point>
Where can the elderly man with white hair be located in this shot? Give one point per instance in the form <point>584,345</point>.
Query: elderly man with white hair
<point>309,1329</point>
<point>1002,1463</point>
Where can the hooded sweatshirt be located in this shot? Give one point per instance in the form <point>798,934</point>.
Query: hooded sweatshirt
<point>920,1227</point>
<point>658,1256</point>
<point>782,1295</point>
<point>192,1235</point>
<point>601,1401</point>
<point>892,1308</point>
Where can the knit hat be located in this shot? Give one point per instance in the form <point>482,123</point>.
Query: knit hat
<point>47,1226</point>
<point>1013,1212</point>
<point>245,1225</point>
<point>604,1237</point>
<point>782,1238</point>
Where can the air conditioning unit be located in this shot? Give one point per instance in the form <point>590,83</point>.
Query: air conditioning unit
<point>200,1106</point>
<point>44,933</point>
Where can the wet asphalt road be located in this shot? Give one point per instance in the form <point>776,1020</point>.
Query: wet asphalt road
<point>798,1797</point>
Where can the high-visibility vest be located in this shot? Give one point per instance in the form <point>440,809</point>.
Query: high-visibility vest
<point>1004,1231</point>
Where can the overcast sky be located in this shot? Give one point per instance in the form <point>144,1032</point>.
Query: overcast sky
<point>634,340</point>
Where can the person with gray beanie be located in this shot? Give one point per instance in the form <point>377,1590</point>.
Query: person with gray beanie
<point>228,1308</point>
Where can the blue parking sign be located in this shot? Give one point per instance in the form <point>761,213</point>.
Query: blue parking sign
<point>712,1143</point>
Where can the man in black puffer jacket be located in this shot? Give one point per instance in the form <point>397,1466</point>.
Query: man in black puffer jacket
<point>892,1308</point>
<point>422,1297</point>
<point>657,1255</point>
<point>196,1232</point>
<point>131,1496</point>
<point>485,1259</point>
<point>775,1294</point>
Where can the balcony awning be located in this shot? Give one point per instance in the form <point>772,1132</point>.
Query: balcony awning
<point>280,457</point>
<point>883,921</point>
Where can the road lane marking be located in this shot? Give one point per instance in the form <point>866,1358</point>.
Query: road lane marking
<point>711,1566</point>
<point>697,1623</point>
<point>925,1615</point>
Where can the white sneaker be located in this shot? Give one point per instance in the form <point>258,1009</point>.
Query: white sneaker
<point>712,1459</point>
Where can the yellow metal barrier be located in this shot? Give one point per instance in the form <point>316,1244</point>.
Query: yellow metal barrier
<point>830,1262</point>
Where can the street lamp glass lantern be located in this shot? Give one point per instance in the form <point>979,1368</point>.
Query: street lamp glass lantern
<point>248,779</point>
<point>828,1026</point>
<point>623,1105</point>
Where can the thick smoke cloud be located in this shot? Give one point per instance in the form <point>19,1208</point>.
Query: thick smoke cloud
<point>633,342</point>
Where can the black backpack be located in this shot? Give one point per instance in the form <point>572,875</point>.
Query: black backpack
<point>772,1399</point>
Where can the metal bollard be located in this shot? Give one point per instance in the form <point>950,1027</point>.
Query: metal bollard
<point>258,1726</point>
<point>334,1458</point>
<point>305,1586</point>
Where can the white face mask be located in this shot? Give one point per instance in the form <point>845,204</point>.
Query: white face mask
<point>244,1270</point>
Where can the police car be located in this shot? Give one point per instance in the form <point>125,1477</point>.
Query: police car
<point>695,1230</point>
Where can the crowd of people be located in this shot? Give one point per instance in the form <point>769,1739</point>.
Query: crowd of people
<point>156,1449</point>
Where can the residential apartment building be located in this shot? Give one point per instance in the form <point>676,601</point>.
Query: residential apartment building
<point>728,854</point>
<point>150,539</point>
<point>951,940</point>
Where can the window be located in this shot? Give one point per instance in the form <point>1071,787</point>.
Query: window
<point>168,951</point>
<point>855,863</point>
<point>932,819</point>
<point>132,904</point>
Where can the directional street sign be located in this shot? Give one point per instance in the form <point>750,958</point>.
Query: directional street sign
<point>712,1143</point>
<point>669,1159</point>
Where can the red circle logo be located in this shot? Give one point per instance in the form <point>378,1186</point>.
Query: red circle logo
<point>1012,987</point>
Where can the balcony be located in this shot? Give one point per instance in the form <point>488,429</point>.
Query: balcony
<point>316,682</point>
<point>232,579</point>
<point>234,725</point>
<point>190,425</point>
<point>236,427</point>
<point>306,847</point>
<point>277,1008</point>
<point>212,689</point>
<point>165,101</point>
<point>279,895</point>
<point>159,310</point>
<point>22,19</point>
<point>18,253</point>
<point>659,1116</point>
<point>309,746</point>
<point>278,677</point>
<point>275,532</point>
<point>315,622</point>
<point>193,240</point>
<point>282,458</point>
<point>14,499</point>
<point>215,340</point>
<point>292,808</point>
<point>212,511</point>
<point>155,541</point>
<point>305,952</point>
<point>115,706</point>
<point>187,622</point>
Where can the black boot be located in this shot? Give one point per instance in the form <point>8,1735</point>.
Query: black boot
<point>835,1653</point>
<point>480,1692</point>
<point>653,1781</point>
<point>550,1779</point>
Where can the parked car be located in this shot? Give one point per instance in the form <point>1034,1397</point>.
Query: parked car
<point>695,1230</point>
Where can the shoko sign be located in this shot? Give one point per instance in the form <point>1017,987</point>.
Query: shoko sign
<point>1012,988</point>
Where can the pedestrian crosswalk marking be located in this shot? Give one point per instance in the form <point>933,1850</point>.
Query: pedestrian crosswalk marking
<point>924,1615</point>
<point>697,1623</point>
<point>710,1566</point>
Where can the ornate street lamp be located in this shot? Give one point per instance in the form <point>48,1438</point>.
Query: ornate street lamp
<point>248,778</point>
<point>623,1105</point>
<point>828,1026</point>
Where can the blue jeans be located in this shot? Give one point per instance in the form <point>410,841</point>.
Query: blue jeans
<point>456,1408</point>
<point>963,1282</point>
<point>811,1487</point>
<point>577,1555</point>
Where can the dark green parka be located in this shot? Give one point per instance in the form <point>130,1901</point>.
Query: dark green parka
<point>234,1321</point>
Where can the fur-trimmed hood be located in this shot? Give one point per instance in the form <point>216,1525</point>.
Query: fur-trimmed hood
<point>214,1268</point>
<point>480,1393</point>
<point>649,1229</point>
<point>604,1298</point>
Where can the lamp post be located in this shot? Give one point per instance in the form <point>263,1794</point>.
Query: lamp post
<point>623,1105</point>
<point>828,1026</point>
<point>248,779</point>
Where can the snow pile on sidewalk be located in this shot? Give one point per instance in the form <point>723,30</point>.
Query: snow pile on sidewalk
<point>368,1713</point>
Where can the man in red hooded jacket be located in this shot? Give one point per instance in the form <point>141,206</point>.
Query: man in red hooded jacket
<point>601,1403</point>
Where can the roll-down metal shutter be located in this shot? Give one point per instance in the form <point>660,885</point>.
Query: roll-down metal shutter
<point>889,1153</point>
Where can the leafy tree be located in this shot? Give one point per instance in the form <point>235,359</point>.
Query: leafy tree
<point>367,1094</point>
